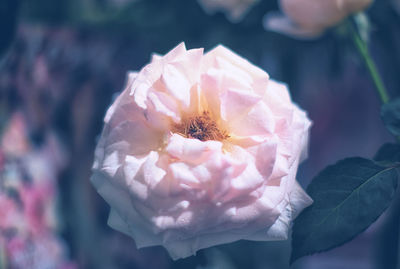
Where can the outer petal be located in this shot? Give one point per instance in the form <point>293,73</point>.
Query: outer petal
<point>294,203</point>
<point>119,199</point>
<point>223,58</point>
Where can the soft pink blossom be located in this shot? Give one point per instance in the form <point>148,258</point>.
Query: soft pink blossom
<point>200,150</point>
<point>310,18</point>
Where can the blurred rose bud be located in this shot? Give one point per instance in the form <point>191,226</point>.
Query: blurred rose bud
<point>200,150</point>
<point>310,18</point>
<point>235,10</point>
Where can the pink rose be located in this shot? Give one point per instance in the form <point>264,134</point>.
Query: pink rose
<point>9,213</point>
<point>200,150</point>
<point>234,10</point>
<point>310,18</point>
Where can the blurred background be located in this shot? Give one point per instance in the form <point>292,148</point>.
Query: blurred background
<point>62,63</point>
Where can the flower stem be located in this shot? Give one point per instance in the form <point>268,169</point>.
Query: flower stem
<point>362,48</point>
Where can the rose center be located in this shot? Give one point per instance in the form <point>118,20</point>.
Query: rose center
<point>201,127</point>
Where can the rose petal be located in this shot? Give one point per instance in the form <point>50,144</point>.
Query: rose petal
<point>191,150</point>
<point>186,194</point>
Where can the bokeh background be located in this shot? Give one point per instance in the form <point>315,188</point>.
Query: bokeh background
<point>62,63</point>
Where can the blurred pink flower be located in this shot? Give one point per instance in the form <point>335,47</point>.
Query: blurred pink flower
<point>27,199</point>
<point>235,10</point>
<point>9,216</point>
<point>39,163</point>
<point>38,207</point>
<point>14,141</point>
<point>200,150</point>
<point>37,252</point>
<point>310,18</point>
<point>25,235</point>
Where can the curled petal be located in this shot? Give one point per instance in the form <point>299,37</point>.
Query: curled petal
<point>199,150</point>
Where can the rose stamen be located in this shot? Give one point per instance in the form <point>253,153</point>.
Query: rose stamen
<point>201,127</point>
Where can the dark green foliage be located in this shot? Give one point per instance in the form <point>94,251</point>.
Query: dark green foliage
<point>388,154</point>
<point>348,197</point>
<point>390,114</point>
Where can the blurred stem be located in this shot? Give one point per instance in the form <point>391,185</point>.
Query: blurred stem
<point>362,48</point>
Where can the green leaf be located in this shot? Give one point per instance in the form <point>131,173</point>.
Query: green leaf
<point>390,114</point>
<point>348,197</point>
<point>389,154</point>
